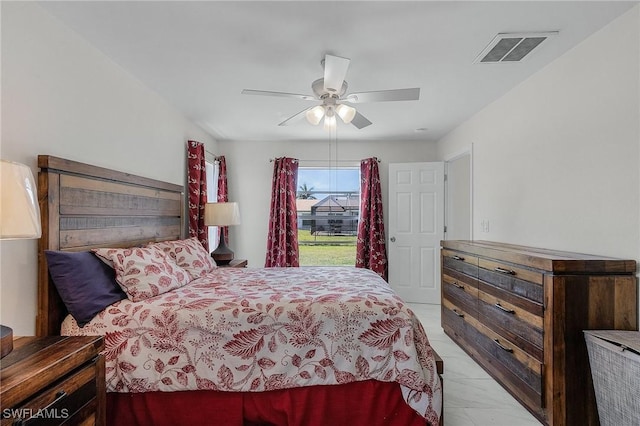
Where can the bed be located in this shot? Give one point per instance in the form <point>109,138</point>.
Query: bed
<point>231,346</point>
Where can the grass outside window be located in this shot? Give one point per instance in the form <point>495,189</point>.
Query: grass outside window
<point>326,250</point>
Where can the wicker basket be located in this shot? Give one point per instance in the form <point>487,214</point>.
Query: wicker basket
<point>614,357</point>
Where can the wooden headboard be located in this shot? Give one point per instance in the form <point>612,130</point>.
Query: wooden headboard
<point>84,207</point>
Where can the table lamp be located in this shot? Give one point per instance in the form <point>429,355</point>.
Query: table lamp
<point>222,214</point>
<point>19,218</point>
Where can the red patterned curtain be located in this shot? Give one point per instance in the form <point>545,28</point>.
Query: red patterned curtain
<point>223,196</point>
<point>282,240</point>
<point>197,187</point>
<point>371,250</point>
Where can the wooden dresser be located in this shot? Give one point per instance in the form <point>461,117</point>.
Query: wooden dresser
<point>520,312</point>
<point>53,380</point>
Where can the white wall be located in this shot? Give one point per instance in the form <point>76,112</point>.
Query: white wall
<point>63,97</point>
<point>249,175</point>
<point>556,160</point>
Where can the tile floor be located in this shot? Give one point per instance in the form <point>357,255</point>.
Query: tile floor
<point>471,396</point>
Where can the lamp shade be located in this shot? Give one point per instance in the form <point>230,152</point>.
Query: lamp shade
<point>315,114</point>
<point>346,113</point>
<point>330,122</point>
<point>221,214</point>
<point>19,210</point>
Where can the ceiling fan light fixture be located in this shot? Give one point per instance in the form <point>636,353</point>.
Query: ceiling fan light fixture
<point>329,120</point>
<point>315,114</point>
<point>346,113</point>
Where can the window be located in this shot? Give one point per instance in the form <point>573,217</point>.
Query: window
<point>328,209</point>
<point>212,170</point>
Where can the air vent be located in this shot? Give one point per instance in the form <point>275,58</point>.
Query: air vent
<point>511,47</point>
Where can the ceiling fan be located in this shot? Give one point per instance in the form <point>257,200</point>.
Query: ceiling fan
<point>331,91</point>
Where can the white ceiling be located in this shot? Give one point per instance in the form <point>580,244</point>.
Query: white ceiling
<point>200,55</point>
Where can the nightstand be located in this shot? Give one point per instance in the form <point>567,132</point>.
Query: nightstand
<point>54,380</point>
<point>235,263</point>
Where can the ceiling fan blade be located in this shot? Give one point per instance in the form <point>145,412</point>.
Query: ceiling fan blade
<point>335,71</point>
<point>280,94</point>
<point>295,117</point>
<point>412,94</point>
<point>360,121</point>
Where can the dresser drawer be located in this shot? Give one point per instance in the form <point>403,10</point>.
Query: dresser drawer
<point>453,322</point>
<point>512,321</point>
<point>458,278</point>
<point>513,270</point>
<point>520,281</point>
<point>71,400</point>
<point>460,262</point>
<point>516,370</point>
<point>461,291</point>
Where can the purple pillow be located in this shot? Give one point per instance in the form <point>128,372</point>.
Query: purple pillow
<point>86,284</point>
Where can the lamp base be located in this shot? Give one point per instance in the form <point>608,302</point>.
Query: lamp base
<point>6,341</point>
<point>222,259</point>
<point>222,254</point>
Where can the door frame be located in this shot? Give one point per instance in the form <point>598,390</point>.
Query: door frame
<point>448,190</point>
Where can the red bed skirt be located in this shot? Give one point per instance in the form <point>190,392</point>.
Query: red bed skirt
<point>367,403</point>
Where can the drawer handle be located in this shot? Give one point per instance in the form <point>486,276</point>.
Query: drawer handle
<point>505,271</point>
<point>455,311</point>
<point>60,395</point>
<point>502,308</point>
<point>504,348</point>
<point>458,258</point>
<point>456,285</point>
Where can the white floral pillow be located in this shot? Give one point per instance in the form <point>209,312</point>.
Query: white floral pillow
<point>144,272</point>
<point>188,254</point>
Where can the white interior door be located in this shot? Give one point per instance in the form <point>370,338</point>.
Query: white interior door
<point>416,226</point>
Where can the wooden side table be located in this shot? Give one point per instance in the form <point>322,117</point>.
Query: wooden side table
<point>54,379</point>
<point>235,263</point>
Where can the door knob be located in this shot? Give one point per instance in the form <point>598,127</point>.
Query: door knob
<point>393,239</point>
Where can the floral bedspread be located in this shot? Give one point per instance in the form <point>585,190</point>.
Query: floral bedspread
<point>263,329</point>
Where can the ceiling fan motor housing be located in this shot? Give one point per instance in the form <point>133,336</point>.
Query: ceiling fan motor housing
<point>318,88</point>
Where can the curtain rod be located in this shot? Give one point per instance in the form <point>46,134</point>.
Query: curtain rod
<point>215,157</point>
<point>329,161</point>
